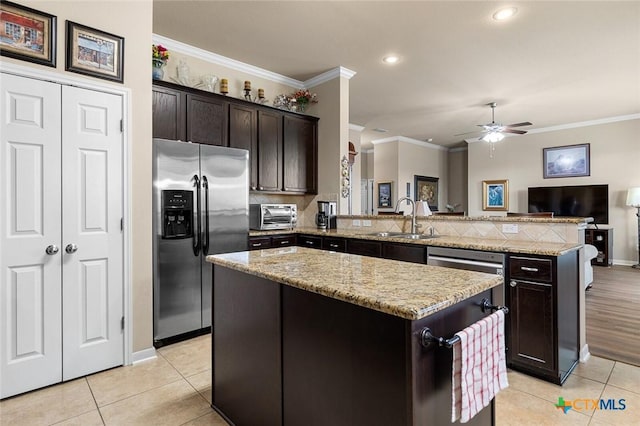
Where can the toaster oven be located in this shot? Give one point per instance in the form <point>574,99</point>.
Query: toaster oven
<point>272,216</point>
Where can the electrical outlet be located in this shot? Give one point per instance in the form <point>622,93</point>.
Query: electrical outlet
<point>509,228</point>
<point>366,222</point>
<point>356,222</point>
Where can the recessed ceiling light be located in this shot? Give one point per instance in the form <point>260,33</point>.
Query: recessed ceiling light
<point>391,59</point>
<point>379,130</point>
<point>505,13</point>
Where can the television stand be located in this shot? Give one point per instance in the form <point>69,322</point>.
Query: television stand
<point>602,240</point>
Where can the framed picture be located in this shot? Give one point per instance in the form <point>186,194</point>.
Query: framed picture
<point>426,189</point>
<point>384,195</point>
<point>495,195</point>
<point>27,34</point>
<point>566,161</point>
<point>95,53</point>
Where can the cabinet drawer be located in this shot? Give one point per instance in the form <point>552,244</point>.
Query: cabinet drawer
<point>257,243</point>
<point>334,244</point>
<point>310,241</point>
<point>531,269</point>
<point>283,240</point>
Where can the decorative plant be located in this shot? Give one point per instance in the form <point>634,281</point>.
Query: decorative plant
<point>160,52</point>
<point>304,97</point>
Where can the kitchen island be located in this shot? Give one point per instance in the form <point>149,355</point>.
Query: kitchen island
<point>302,336</point>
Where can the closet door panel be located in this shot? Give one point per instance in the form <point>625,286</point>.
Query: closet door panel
<point>30,277</point>
<point>92,237</point>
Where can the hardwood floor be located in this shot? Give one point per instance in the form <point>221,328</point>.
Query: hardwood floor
<point>613,314</point>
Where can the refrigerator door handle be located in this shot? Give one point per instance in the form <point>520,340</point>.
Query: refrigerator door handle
<point>196,235</point>
<point>205,235</point>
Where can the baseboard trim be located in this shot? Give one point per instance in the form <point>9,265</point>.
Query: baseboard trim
<point>143,355</point>
<point>584,354</point>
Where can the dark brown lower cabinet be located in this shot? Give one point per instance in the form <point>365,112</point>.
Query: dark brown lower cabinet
<point>310,241</point>
<point>405,252</point>
<point>364,248</point>
<point>285,356</point>
<point>543,322</point>
<point>334,244</point>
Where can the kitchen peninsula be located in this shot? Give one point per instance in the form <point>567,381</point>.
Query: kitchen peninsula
<point>305,336</point>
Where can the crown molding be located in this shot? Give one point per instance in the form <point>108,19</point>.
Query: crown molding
<point>214,58</point>
<point>355,127</point>
<point>409,140</point>
<point>606,120</point>
<point>463,148</point>
<point>328,76</point>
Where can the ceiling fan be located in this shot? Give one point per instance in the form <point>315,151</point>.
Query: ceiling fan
<point>494,132</point>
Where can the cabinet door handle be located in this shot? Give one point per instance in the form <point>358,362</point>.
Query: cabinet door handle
<point>526,268</point>
<point>513,283</point>
<point>261,188</point>
<point>333,245</point>
<point>256,244</point>
<point>284,242</point>
<point>309,243</point>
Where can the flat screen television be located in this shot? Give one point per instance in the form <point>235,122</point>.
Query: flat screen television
<point>578,201</point>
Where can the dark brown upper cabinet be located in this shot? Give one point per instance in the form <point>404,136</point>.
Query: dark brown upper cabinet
<point>243,133</point>
<point>283,146</point>
<point>300,155</point>
<point>206,120</point>
<point>168,113</point>
<point>269,151</point>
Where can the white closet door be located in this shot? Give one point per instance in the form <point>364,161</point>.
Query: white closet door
<point>30,279</point>
<point>92,249</point>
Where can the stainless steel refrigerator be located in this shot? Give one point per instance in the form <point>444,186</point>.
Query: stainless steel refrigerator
<point>200,207</point>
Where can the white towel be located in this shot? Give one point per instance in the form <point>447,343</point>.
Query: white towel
<point>479,369</point>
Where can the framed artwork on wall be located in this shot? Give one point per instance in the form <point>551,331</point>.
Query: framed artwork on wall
<point>27,34</point>
<point>495,195</point>
<point>566,161</point>
<point>384,195</point>
<point>426,189</point>
<point>94,52</point>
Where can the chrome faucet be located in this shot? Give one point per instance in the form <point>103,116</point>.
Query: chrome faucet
<point>414,222</point>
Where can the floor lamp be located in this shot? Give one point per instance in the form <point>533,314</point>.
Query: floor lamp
<point>633,200</point>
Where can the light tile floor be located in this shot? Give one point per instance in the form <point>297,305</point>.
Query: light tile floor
<point>175,389</point>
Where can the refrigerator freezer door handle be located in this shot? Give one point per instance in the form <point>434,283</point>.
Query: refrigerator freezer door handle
<point>205,216</point>
<point>196,235</point>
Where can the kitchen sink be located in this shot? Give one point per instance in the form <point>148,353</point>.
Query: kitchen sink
<point>416,236</point>
<point>403,235</point>
<point>386,234</point>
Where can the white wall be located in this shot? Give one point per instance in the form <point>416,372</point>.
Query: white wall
<point>615,160</point>
<point>399,159</point>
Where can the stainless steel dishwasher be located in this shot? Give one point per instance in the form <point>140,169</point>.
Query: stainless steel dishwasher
<point>471,260</point>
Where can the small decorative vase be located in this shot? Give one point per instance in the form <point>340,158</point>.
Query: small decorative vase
<point>157,72</point>
<point>302,107</point>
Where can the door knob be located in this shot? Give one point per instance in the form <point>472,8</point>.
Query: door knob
<point>71,248</point>
<point>513,283</point>
<point>51,249</point>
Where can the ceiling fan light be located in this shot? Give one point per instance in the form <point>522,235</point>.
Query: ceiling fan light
<point>493,137</point>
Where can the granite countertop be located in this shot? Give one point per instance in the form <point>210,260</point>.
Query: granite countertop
<point>407,290</point>
<point>484,244</point>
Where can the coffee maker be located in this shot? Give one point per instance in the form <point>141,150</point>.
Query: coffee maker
<point>327,215</point>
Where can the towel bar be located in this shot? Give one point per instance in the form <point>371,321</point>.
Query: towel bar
<point>427,337</point>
